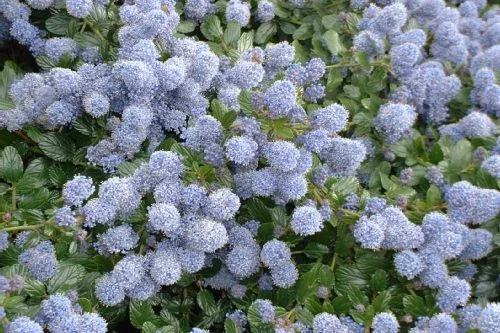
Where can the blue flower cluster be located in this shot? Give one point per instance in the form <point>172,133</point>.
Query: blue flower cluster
<point>277,257</point>
<point>460,37</point>
<point>40,260</point>
<point>15,17</point>
<point>59,313</point>
<point>387,228</point>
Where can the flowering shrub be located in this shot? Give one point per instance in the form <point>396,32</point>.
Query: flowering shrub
<point>249,166</point>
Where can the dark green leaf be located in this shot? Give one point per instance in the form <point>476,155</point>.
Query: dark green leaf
<point>341,304</point>
<point>87,39</point>
<point>265,32</point>
<point>34,288</point>
<point>305,31</point>
<point>8,75</point>
<point>381,303</point>
<point>356,296</point>
<point>315,250</point>
<point>415,306</point>
<point>307,284</point>
<point>148,327</point>
<point>287,28</point>
<point>379,280</point>
<point>57,147</point>
<point>66,277</point>
<point>45,63</point>
<point>11,165</point>
<point>206,301</point>
<point>141,312</point>
<point>231,327</point>
<point>211,28</point>
<point>58,24</point>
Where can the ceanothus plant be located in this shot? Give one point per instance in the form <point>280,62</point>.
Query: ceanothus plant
<point>249,166</point>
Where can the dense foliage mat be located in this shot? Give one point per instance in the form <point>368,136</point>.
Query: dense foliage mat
<point>249,166</point>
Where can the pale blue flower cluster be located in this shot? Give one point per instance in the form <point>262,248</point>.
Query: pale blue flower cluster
<point>460,37</point>
<point>389,229</point>
<point>59,314</point>
<point>475,125</point>
<point>385,322</point>
<point>326,323</point>
<point>198,9</point>
<point>23,324</point>
<point>40,260</point>
<point>4,240</point>
<point>469,204</point>
<point>492,165</point>
<point>238,11</point>
<point>277,257</point>
<point>265,11</point>
<point>395,121</point>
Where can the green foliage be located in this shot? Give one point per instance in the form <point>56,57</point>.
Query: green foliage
<point>36,163</point>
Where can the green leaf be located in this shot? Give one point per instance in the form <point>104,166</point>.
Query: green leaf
<point>352,91</point>
<point>11,164</point>
<point>57,175</point>
<point>381,303</point>
<point>332,42</point>
<point>141,312</point>
<point>349,274</point>
<point>37,199</point>
<point>301,53</point>
<point>334,80</point>
<point>45,63</point>
<point>232,33</point>
<point>305,316</point>
<point>218,109</point>
<point>341,304</point>
<point>314,306</point>
<point>265,32</point>
<point>460,157</point>
<point>415,306</point>
<point>315,250</point>
<point>345,185</point>
<point>34,288</point>
<point>211,28</point>
<point>8,75</point>
<point>356,296</point>
<point>33,133</point>
<point>329,21</point>
<point>305,31</point>
<point>58,24</point>
<point>186,27</point>
<point>228,119</point>
<point>206,301</point>
<point>362,59</point>
<point>28,183</point>
<point>231,327</point>
<point>287,28</point>
<point>87,39</point>
<point>148,327</point>
<point>379,280</point>
<point>245,100</point>
<point>307,284</point>
<point>57,147</point>
<point>245,42</point>
<point>433,196</point>
<point>436,155</point>
<point>258,210</point>
<point>67,277</point>
<point>9,256</point>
